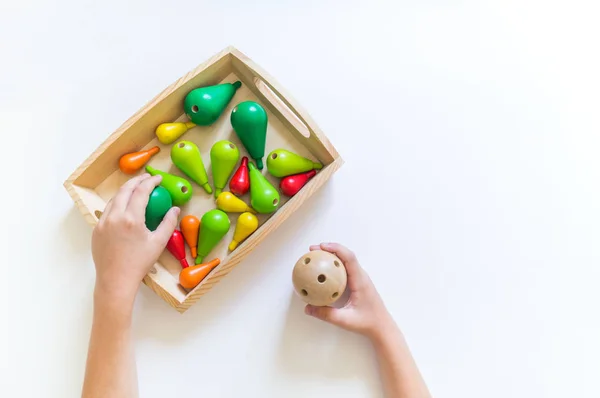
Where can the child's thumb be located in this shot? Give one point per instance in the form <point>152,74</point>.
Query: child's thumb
<point>167,226</point>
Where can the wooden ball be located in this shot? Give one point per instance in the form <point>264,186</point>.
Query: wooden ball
<point>319,278</point>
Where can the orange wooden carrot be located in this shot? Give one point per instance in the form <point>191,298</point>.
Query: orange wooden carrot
<point>190,225</point>
<point>132,162</point>
<point>190,277</point>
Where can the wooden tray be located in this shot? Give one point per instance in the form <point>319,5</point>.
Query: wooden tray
<point>290,127</point>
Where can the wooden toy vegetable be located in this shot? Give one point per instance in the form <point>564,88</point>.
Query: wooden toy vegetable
<point>167,133</point>
<point>264,198</point>
<point>230,203</point>
<point>186,156</point>
<point>190,226</point>
<point>159,204</point>
<point>281,163</point>
<point>204,105</point>
<point>132,162</point>
<point>191,277</point>
<point>179,188</point>
<point>176,247</point>
<point>223,157</point>
<point>240,182</point>
<point>290,185</point>
<point>247,223</point>
<point>249,120</point>
<point>215,224</point>
<point>319,278</point>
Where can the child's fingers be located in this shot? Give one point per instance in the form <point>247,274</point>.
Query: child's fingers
<point>167,226</point>
<point>141,195</point>
<point>122,197</point>
<point>350,261</point>
<point>107,209</point>
<point>314,247</point>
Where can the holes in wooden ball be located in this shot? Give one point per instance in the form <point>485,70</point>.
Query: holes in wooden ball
<point>334,295</point>
<point>307,260</point>
<point>184,189</point>
<point>274,156</point>
<point>321,278</point>
<point>275,201</point>
<point>336,263</point>
<point>181,145</point>
<point>304,292</point>
<point>231,146</point>
<point>153,270</point>
<point>98,214</point>
<point>195,108</point>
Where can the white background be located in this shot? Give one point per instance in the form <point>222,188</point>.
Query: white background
<point>470,192</point>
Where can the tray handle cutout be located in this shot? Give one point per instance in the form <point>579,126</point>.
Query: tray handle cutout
<point>283,106</point>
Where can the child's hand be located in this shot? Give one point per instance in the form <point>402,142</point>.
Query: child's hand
<point>364,312</point>
<point>123,248</point>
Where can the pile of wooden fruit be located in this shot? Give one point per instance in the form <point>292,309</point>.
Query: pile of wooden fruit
<point>204,106</point>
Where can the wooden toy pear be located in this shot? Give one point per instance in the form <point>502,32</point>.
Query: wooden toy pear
<point>291,185</point>
<point>281,163</point>
<point>204,105</point>
<point>319,278</point>
<point>223,156</point>
<point>132,162</point>
<point>240,182</point>
<point>249,120</point>
<point>247,223</point>
<point>179,188</point>
<point>190,277</point>
<point>230,203</point>
<point>158,205</point>
<point>190,227</point>
<point>264,198</point>
<point>186,156</point>
<point>167,133</point>
<point>215,225</point>
<point>176,247</point>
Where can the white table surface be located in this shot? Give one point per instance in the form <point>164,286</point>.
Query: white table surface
<point>470,193</point>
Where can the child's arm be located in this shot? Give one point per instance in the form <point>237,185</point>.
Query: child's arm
<point>366,314</point>
<point>124,250</point>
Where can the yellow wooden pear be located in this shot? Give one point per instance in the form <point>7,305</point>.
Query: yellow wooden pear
<point>230,203</point>
<point>167,133</point>
<point>247,223</point>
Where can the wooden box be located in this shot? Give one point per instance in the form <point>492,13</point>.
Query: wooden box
<point>290,127</point>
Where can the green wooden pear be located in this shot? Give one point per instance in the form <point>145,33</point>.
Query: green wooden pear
<point>159,204</point>
<point>214,226</point>
<point>204,105</point>
<point>264,198</point>
<point>282,163</point>
<point>249,120</point>
<point>186,156</point>
<point>223,157</point>
<point>179,188</point>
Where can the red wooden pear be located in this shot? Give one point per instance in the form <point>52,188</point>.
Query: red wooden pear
<point>240,182</point>
<point>290,185</point>
<point>177,247</point>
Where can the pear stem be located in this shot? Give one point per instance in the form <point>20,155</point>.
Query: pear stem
<point>207,188</point>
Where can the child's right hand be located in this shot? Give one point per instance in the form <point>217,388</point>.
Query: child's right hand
<point>364,312</point>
